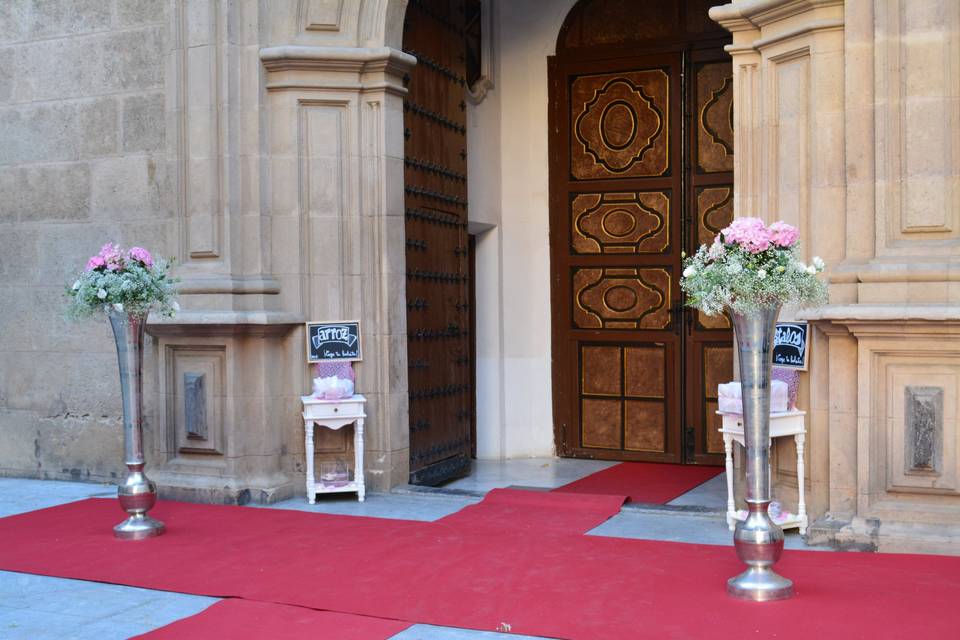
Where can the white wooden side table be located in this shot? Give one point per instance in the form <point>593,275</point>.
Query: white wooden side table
<point>334,414</point>
<point>787,423</point>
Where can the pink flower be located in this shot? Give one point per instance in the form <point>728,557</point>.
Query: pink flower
<point>112,256</point>
<point>141,255</point>
<point>782,234</point>
<point>750,233</point>
<point>96,262</point>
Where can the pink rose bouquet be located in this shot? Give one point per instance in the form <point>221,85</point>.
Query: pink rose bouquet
<point>129,281</point>
<point>752,265</point>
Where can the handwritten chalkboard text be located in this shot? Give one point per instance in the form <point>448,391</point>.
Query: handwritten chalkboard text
<point>333,341</point>
<point>790,345</point>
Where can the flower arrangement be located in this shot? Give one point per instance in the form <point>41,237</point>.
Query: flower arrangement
<point>752,265</point>
<point>124,281</point>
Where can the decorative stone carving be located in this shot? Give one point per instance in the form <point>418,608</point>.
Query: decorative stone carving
<point>320,15</point>
<point>194,406</point>
<point>924,428</point>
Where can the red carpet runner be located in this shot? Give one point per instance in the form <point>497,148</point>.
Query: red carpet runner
<point>534,512</point>
<point>644,482</point>
<point>538,580</point>
<point>246,620</point>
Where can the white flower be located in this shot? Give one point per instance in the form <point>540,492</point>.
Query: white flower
<point>689,271</point>
<point>118,306</point>
<point>102,293</point>
<point>716,250</point>
<point>812,270</point>
<point>762,274</point>
<point>818,263</point>
<point>734,267</point>
<point>76,285</point>
<point>175,305</point>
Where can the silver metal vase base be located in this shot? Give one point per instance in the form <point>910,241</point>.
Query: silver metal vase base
<point>137,495</point>
<point>759,543</point>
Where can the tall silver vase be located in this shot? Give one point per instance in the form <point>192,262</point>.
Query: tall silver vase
<point>758,540</point>
<point>137,494</point>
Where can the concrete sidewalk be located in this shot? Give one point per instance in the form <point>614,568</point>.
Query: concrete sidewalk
<point>39,607</point>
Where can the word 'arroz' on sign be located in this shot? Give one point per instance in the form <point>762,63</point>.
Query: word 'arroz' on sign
<point>339,333</point>
<point>333,341</point>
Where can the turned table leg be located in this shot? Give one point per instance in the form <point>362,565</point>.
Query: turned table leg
<point>358,448</point>
<point>731,506</point>
<point>800,438</point>
<point>308,447</point>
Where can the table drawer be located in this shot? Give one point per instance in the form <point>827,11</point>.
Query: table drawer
<point>333,410</point>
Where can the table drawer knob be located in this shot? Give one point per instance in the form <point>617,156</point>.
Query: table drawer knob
<point>335,409</point>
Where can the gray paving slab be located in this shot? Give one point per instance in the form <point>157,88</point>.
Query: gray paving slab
<point>430,632</point>
<point>530,472</point>
<point>676,527</point>
<point>47,607</point>
<point>19,495</point>
<point>712,493</point>
<point>425,507</point>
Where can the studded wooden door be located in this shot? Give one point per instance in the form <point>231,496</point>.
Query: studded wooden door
<point>438,303</point>
<point>641,170</point>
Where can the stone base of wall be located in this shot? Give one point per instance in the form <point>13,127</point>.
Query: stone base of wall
<point>211,490</point>
<point>872,534</point>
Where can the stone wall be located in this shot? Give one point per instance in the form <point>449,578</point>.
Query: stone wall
<point>82,161</point>
<point>260,145</point>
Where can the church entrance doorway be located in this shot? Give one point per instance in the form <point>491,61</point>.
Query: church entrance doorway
<point>641,152</point>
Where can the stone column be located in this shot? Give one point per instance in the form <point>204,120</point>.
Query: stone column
<point>286,134</point>
<point>788,62</point>
<point>861,142</point>
<point>223,379</point>
<point>333,80</point>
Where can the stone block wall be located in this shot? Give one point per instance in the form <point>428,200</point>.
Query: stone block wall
<point>82,161</point>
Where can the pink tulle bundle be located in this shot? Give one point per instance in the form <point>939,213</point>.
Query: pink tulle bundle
<point>792,378</point>
<point>342,370</point>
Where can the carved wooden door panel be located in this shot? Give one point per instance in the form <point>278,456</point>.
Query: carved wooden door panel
<point>615,250</point>
<point>438,302</point>
<point>709,340</point>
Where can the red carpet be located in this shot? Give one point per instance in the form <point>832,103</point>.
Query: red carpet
<point>540,582</point>
<point>534,512</point>
<point>644,482</point>
<point>247,620</point>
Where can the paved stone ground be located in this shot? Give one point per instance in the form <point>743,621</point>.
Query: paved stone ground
<point>38,607</point>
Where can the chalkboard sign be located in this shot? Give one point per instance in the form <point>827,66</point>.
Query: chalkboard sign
<point>790,345</point>
<point>333,341</point>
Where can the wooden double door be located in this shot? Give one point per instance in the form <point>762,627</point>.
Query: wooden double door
<point>641,149</point>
